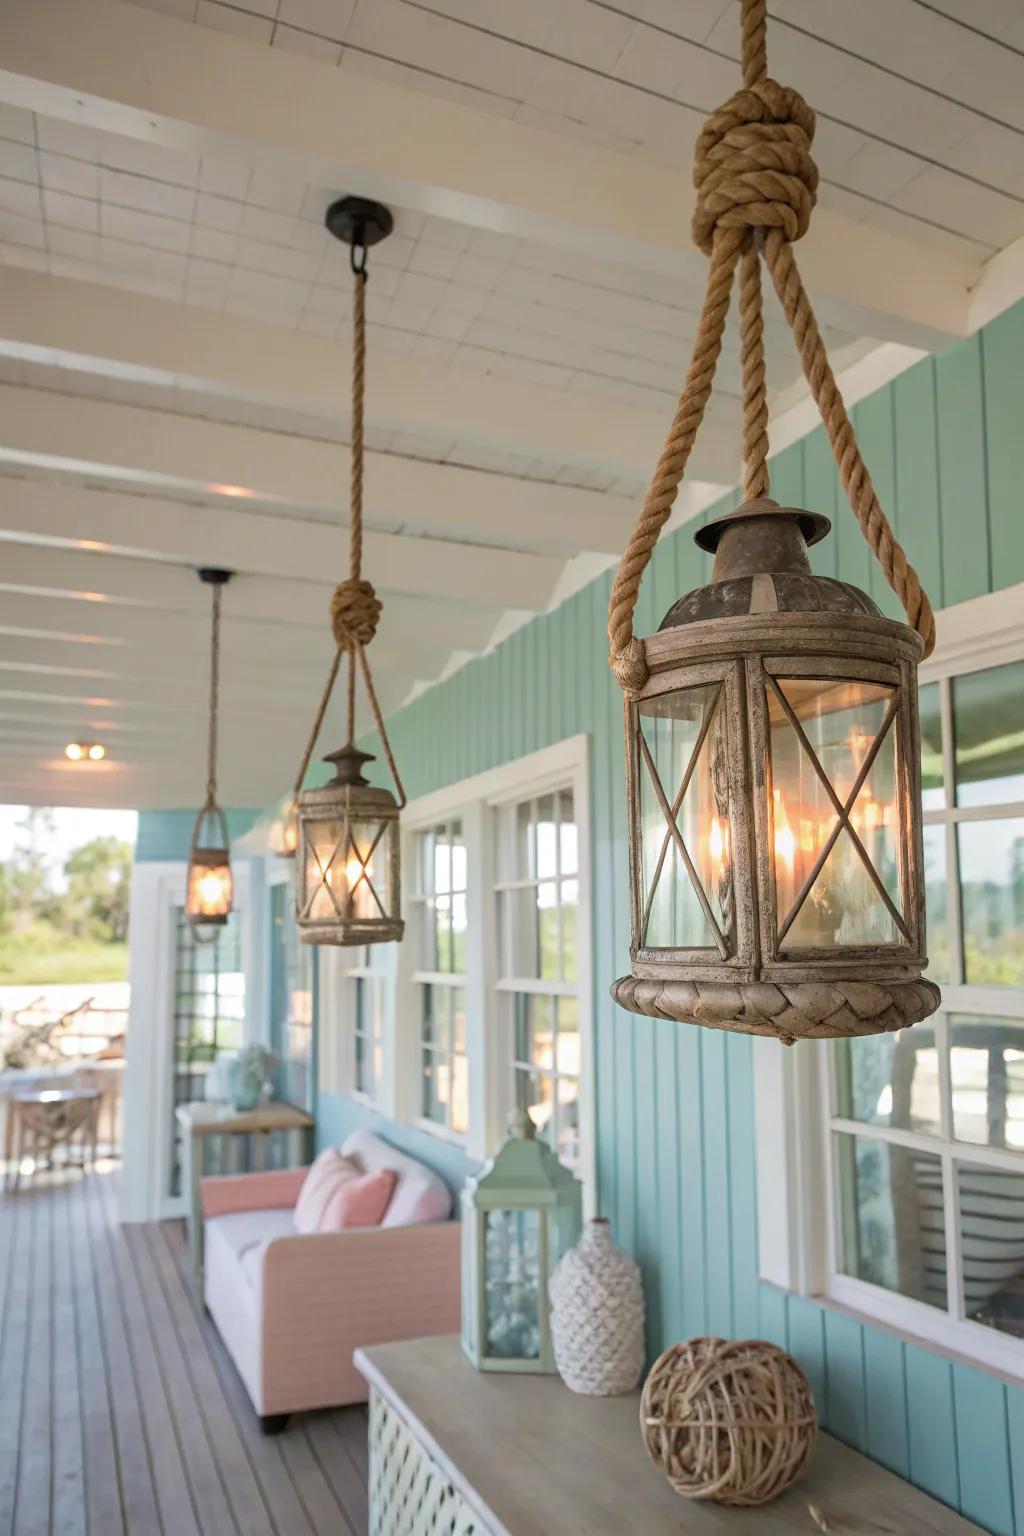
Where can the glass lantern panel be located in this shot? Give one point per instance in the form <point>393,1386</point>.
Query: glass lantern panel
<point>347,873</point>
<point>685,783</point>
<point>831,869</point>
<point>209,890</point>
<point>512,1284</point>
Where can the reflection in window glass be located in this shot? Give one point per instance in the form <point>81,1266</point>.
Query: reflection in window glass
<point>992,900</point>
<point>987,1080</point>
<point>936,902</point>
<point>988,717</point>
<point>933,794</point>
<point>893,1226</point>
<point>890,1079</point>
<point>992,1246</point>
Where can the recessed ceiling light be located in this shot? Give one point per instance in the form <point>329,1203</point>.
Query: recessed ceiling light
<point>97,752</point>
<point>75,751</point>
<point>85,751</point>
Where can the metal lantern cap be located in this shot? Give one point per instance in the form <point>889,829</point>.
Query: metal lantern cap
<point>523,1162</point>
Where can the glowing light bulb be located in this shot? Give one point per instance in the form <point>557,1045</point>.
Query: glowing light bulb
<point>785,842</point>
<point>74,751</point>
<point>97,752</point>
<point>211,888</point>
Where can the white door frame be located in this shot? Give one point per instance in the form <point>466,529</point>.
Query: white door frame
<point>157,889</point>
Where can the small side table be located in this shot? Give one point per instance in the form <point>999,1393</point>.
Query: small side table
<point>54,1117</point>
<point>201,1121</point>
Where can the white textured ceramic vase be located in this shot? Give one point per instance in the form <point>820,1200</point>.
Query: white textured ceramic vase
<point>597,1316</point>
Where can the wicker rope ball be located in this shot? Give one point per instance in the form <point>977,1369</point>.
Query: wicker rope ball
<point>732,1422</point>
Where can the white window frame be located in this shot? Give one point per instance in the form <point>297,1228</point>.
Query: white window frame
<point>336,1013</point>
<point>416,904</point>
<point>476,802</point>
<point>798,1206</point>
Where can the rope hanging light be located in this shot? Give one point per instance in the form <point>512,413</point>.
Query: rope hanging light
<point>345,835</point>
<point>772,731</point>
<point>209,885</point>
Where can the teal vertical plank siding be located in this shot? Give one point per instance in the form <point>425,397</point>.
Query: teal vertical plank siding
<point>885,1401</point>
<point>917,476</point>
<point>986,1492</point>
<point>933,1447</point>
<point>673,1105</point>
<point>875,428</point>
<point>846,1406</point>
<point>962,491</point>
<point>1002,351</point>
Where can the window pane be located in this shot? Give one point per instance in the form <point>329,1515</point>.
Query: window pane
<point>547,838</point>
<point>570,898</point>
<point>987,1076</point>
<point>568,1036</point>
<point>535,1041</point>
<point>457,1004</point>
<point>892,1222</point>
<point>459,924</point>
<point>534,1095</point>
<point>428,856</point>
<point>458,858</point>
<point>936,902</point>
<point>890,1080</point>
<point>435,1015</point>
<point>992,1247</point>
<point>435,1092</point>
<point>933,794</point>
<point>992,897</point>
<point>517,920</point>
<point>547,931</point>
<point>988,716</point>
<point>568,850</point>
<point>567,1140</point>
<point>443,862</point>
<point>526,853</point>
<point>460,1094</point>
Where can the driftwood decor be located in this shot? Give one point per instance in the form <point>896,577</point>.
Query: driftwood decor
<point>772,737</point>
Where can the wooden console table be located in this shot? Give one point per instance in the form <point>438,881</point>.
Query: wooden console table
<point>457,1453</point>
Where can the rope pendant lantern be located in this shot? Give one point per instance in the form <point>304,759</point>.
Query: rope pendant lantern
<point>346,835</point>
<point>209,886</point>
<point>773,743</point>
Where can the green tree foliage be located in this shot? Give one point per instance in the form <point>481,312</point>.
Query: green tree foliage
<point>95,904</point>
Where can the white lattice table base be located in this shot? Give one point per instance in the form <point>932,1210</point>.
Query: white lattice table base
<point>409,1494</point>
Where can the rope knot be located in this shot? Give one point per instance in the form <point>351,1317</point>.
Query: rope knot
<point>629,666</point>
<point>753,167</point>
<point>355,609</point>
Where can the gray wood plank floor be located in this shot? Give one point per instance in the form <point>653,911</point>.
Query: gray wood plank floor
<point>120,1412</point>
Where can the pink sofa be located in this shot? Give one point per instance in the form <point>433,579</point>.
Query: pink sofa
<point>292,1309</point>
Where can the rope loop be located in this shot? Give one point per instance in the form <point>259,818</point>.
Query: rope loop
<point>355,610</point>
<point>753,167</point>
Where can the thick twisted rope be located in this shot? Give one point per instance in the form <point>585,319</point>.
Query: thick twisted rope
<point>756,184</point>
<point>355,607</point>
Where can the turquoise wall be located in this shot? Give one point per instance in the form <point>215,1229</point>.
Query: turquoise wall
<point>336,1117</point>
<point>168,834</point>
<point>675,1104</point>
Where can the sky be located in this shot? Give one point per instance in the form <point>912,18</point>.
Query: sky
<point>72,828</point>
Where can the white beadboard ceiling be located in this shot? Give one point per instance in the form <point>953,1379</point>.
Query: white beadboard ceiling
<point>174,322</point>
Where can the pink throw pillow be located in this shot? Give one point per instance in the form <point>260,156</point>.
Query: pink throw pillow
<point>359,1202</point>
<point>326,1176</point>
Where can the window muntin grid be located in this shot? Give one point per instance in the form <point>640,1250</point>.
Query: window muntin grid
<point>926,1134</point>
<point>537,895</point>
<point>209,1014</point>
<point>368,1001</point>
<point>439,922</point>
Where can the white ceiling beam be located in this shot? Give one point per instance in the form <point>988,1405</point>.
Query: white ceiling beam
<point>154,448</point>
<point>52,318</point>
<point>65,515</point>
<point>95,578</point>
<point>115,637</point>
<point>79,60</point>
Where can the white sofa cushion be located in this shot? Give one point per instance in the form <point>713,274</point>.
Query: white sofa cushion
<point>242,1236</point>
<point>420,1195</point>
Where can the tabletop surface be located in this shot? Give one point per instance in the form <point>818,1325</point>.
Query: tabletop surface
<point>528,1455</point>
<point>58,1096</point>
<point>204,1118</point>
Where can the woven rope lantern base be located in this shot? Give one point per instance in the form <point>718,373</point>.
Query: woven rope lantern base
<point>731,1422</point>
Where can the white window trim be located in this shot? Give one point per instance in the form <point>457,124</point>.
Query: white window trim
<point>336,1038</point>
<point>475,801</point>
<point>797,1221</point>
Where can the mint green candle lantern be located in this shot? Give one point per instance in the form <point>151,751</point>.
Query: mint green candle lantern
<point>518,1217</point>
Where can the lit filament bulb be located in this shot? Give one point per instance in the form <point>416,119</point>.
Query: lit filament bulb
<point>785,842</point>
<point>211,889</point>
<point>718,848</point>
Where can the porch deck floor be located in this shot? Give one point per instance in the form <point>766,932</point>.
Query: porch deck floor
<point>120,1412</point>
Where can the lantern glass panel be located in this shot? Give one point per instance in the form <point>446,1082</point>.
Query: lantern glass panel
<point>684,805</point>
<point>512,1284</point>
<point>209,887</point>
<point>347,870</point>
<point>837,876</point>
